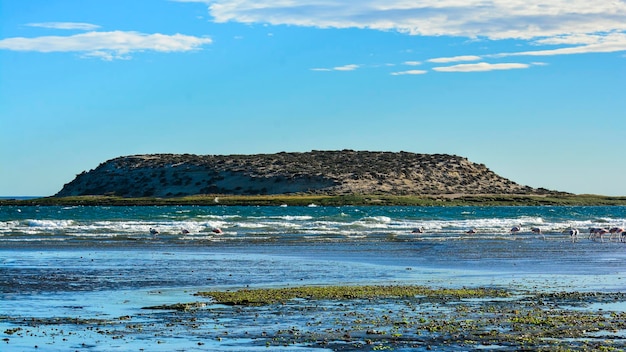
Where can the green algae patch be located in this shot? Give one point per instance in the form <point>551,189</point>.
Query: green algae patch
<point>265,296</point>
<point>372,318</point>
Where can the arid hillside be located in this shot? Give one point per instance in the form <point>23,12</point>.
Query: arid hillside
<point>316,172</point>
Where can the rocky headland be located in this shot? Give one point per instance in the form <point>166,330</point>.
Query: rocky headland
<point>316,172</point>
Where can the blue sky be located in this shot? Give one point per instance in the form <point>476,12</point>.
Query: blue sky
<point>534,91</point>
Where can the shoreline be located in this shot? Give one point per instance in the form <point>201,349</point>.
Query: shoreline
<point>330,317</point>
<point>329,200</point>
<point>381,292</point>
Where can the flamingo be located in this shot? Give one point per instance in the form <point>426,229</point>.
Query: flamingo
<point>603,232</point>
<point>598,232</point>
<point>516,229</point>
<point>538,231</point>
<point>573,233</point>
<point>593,231</point>
<point>618,231</point>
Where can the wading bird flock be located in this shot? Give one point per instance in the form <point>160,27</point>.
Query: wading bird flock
<point>216,230</point>
<point>599,233</point>
<point>595,233</point>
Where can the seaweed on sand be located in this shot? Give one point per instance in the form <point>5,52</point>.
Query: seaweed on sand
<point>276,295</point>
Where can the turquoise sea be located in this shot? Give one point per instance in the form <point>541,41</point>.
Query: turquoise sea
<point>78,278</point>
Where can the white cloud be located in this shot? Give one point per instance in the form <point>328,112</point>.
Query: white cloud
<point>578,26</point>
<point>409,72</point>
<point>455,59</point>
<point>66,25</point>
<point>575,39</point>
<point>106,45</point>
<point>481,67</point>
<point>588,26</point>
<point>350,67</point>
<point>412,63</point>
<point>105,55</point>
<point>610,43</point>
<point>494,19</point>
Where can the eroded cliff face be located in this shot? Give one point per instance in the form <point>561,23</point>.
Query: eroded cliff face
<point>319,172</point>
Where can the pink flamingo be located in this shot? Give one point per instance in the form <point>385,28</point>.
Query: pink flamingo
<point>516,229</point>
<point>538,231</point>
<point>617,231</point>
<point>573,233</point>
<point>595,232</point>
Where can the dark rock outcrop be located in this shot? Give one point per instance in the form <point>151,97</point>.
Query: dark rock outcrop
<point>318,172</point>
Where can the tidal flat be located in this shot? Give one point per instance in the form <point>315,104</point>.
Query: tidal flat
<point>345,318</point>
<point>86,278</point>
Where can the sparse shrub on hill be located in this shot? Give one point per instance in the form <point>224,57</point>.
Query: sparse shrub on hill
<point>316,172</point>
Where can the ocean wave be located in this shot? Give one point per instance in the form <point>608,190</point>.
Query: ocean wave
<point>49,223</point>
<point>377,219</point>
<point>321,223</point>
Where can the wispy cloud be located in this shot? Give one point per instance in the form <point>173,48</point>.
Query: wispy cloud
<point>610,43</point>
<point>350,67</point>
<point>455,59</point>
<point>412,63</point>
<point>106,45</point>
<point>66,25</point>
<point>480,67</point>
<point>106,55</point>
<point>409,72</point>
